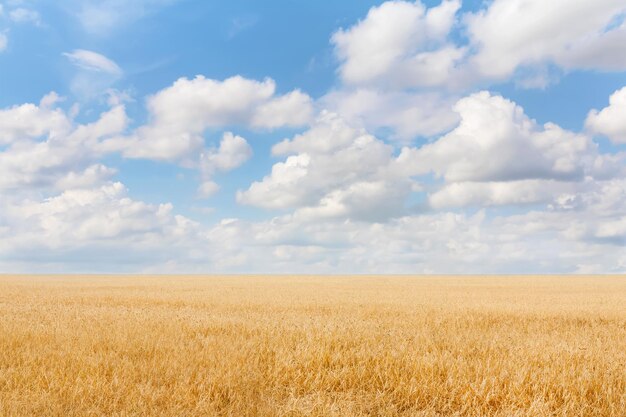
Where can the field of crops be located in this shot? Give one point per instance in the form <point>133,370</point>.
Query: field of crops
<point>312,346</point>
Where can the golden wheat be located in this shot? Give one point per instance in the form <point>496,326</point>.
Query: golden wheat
<point>312,346</point>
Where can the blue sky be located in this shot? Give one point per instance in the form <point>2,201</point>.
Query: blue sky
<point>296,136</point>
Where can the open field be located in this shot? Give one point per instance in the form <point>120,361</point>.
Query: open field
<point>312,346</point>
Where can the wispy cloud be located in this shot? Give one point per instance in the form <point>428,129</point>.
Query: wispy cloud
<point>240,24</point>
<point>23,15</point>
<point>93,61</point>
<point>101,17</point>
<point>96,73</point>
<point>4,41</point>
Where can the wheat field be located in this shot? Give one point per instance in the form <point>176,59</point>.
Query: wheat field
<point>312,346</point>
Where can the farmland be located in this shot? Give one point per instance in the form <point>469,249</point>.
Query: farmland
<point>312,346</point>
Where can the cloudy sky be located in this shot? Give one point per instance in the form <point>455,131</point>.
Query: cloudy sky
<point>297,136</point>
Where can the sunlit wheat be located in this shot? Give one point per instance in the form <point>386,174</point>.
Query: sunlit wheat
<point>312,346</point>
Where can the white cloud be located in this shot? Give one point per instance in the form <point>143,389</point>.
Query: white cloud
<point>207,188</point>
<point>291,109</point>
<point>58,205</point>
<point>344,193</point>
<point>332,170</point>
<point>495,193</point>
<point>44,145</point>
<point>280,189</point>
<point>70,227</point>
<point>498,156</point>
<point>496,141</point>
<point>47,150</point>
<point>371,201</point>
<point>202,103</point>
<point>89,177</point>
<point>442,242</point>
<point>346,201</point>
<point>580,231</point>
<point>179,117</point>
<point>93,61</point>
<point>98,223</point>
<point>233,152</point>
<point>495,156</point>
<point>327,135</point>
<point>95,76</point>
<point>400,44</point>
<point>181,113</point>
<point>50,100</point>
<point>408,114</point>
<point>610,121</point>
<point>403,63</point>
<point>29,121</point>
<point>574,35</point>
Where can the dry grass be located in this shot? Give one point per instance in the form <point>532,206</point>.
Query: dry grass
<point>312,346</point>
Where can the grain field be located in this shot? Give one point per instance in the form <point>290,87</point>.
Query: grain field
<point>312,346</point>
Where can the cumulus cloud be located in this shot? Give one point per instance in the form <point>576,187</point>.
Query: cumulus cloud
<point>403,64</point>
<point>568,239</point>
<point>400,44</point>
<point>279,189</point>
<point>44,145</point>
<point>392,59</point>
<point>181,113</point>
<point>92,175</point>
<point>343,193</point>
<point>407,114</point>
<point>499,156</point>
<point>513,34</point>
<point>332,170</point>
<point>203,103</point>
<point>101,224</point>
<point>291,109</point>
<point>341,199</point>
<point>29,121</point>
<point>610,121</point>
<point>495,156</point>
<point>232,152</point>
<point>442,242</point>
<point>495,193</point>
<point>58,202</point>
<point>496,141</point>
<point>47,149</point>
